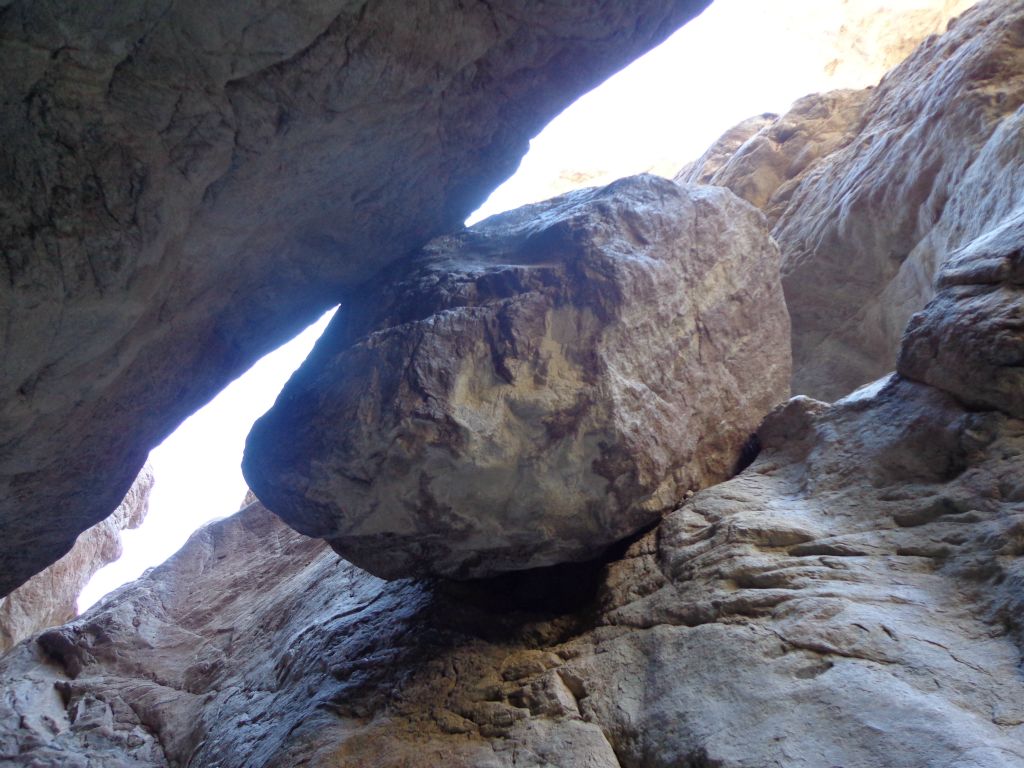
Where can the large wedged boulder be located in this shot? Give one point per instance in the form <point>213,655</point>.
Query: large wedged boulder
<point>535,388</point>
<point>895,182</point>
<point>186,185</point>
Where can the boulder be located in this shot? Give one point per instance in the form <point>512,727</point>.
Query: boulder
<point>187,185</point>
<point>532,389</point>
<point>50,597</point>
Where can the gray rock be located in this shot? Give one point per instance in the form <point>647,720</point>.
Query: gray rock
<point>969,339</point>
<point>535,388</point>
<point>187,184</point>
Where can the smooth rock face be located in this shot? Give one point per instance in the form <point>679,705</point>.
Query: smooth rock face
<point>187,185</point>
<point>893,183</point>
<point>532,389</point>
<point>853,598</point>
<point>49,598</point>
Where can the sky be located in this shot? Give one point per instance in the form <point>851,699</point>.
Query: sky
<point>739,58</point>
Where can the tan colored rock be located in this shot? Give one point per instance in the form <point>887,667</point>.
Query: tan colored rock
<point>49,598</point>
<point>937,164</point>
<point>890,183</point>
<point>703,169</point>
<point>768,165</point>
<point>535,388</point>
<point>187,185</point>
<point>876,36</point>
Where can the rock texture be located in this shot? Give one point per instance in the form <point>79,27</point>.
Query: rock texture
<point>49,598</point>
<point>530,390</point>
<point>187,185</point>
<point>764,159</point>
<point>889,186</point>
<point>853,598</point>
<point>969,339</point>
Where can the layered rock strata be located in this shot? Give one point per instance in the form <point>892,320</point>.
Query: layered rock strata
<point>50,598</point>
<point>187,185</point>
<point>532,389</point>
<point>869,202</point>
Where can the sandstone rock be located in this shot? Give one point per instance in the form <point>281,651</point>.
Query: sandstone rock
<point>767,165</point>
<point>703,169</point>
<point>186,186</point>
<point>532,389</point>
<point>49,598</point>
<point>850,599</point>
<point>889,184</point>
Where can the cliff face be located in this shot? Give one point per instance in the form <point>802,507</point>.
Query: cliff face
<point>872,192</point>
<point>852,597</point>
<point>49,598</point>
<point>187,185</point>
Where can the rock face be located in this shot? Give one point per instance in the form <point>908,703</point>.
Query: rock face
<point>969,340</point>
<point>535,388</point>
<point>853,598</point>
<point>49,598</point>
<point>187,185</point>
<point>891,183</point>
<point>764,159</point>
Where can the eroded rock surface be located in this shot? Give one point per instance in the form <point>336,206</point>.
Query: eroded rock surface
<point>187,185</point>
<point>853,599</point>
<point>764,159</point>
<point>530,390</point>
<point>49,598</point>
<point>889,187</point>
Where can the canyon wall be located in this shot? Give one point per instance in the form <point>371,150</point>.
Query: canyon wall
<point>851,597</point>
<point>871,192</point>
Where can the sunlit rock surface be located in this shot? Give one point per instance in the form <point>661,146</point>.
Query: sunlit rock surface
<point>886,189</point>
<point>49,598</point>
<point>535,388</point>
<point>764,159</point>
<point>186,185</point>
<point>815,45</point>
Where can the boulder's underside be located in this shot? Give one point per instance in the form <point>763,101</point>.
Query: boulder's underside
<point>186,185</point>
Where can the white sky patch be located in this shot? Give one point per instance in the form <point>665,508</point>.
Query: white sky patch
<point>739,58</point>
<point>197,470</point>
